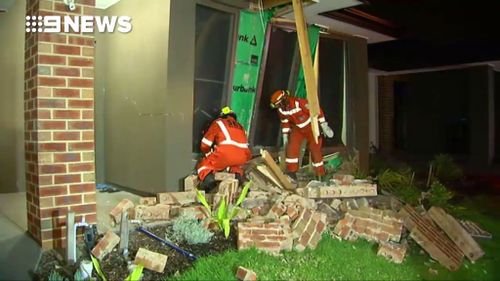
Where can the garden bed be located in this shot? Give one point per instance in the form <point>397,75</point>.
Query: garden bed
<point>115,266</point>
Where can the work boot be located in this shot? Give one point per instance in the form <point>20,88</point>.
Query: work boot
<point>208,183</point>
<point>292,176</point>
<point>240,179</point>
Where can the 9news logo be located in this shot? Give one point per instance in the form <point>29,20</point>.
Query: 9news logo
<point>57,24</point>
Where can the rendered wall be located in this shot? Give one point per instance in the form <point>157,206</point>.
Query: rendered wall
<point>145,84</point>
<point>11,93</point>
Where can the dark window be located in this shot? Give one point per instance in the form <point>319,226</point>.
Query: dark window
<point>331,85</point>
<point>280,56</point>
<point>214,33</point>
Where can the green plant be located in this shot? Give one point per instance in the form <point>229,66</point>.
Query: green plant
<point>136,274</point>
<point>438,195</point>
<point>225,211</point>
<point>445,169</point>
<point>401,184</point>
<point>97,267</point>
<point>56,276</point>
<point>188,228</point>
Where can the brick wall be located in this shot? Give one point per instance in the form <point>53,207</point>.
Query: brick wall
<point>271,237</point>
<point>59,125</point>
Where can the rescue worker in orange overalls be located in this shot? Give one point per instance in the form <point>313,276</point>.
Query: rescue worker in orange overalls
<point>296,126</point>
<point>225,145</point>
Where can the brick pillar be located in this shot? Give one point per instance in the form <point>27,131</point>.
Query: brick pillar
<point>386,114</point>
<point>59,125</point>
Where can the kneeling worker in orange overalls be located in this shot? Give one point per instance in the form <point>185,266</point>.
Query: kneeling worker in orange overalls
<point>296,126</point>
<point>225,145</point>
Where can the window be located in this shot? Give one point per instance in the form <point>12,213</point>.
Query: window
<point>331,85</point>
<point>280,56</point>
<point>214,37</point>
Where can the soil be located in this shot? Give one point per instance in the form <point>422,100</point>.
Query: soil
<point>115,266</point>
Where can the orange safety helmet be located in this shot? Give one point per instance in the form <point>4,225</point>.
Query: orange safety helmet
<point>279,97</point>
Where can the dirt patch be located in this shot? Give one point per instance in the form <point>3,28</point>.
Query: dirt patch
<point>115,266</point>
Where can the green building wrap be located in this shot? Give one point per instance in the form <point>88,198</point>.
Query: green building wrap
<point>313,34</point>
<point>251,41</point>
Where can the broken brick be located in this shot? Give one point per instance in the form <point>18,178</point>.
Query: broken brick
<point>307,229</point>
<point>370,224</point>
<point>228,188</point>
<point>220,176</point>
<point>178,198</point>
<point>341,191</point>
<point>343,179</point>
<point>156,212</point>
<point>105,245</point>
<point>244,274</point>
<point>151,260</point>
<point>199,212</point>
<point>148,201</point>
<point>270,237</point>
<point>116,212</point>
<point>392,251</point>
<point>191,182</point>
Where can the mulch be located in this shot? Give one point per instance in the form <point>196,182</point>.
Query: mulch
<point>115,266</point>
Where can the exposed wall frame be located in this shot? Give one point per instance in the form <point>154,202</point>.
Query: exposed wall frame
<point>258,96</point>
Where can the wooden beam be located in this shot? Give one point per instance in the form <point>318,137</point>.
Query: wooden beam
<point>305,54</point>
<point>289,9</point>
<point>275,169</point>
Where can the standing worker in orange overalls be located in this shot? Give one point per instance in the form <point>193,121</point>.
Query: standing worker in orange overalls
<point>225,145</point>
<point>296,126</point>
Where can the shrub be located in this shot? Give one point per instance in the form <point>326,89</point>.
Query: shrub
<point>438,195</point>
<point>401,185</point>
<point>445,169</point>
<point>187,228</point>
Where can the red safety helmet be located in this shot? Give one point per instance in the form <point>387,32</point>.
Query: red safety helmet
<point>279,97</point>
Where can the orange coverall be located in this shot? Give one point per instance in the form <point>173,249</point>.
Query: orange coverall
<point>296,121</point>
<point>230,148</point>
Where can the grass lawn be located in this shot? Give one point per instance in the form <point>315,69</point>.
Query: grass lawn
<point>341,260</point>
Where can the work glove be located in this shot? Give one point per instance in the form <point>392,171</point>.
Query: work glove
<point>285,139</point>
<point>327,130</point>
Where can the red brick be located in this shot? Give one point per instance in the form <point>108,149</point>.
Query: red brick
<point>51,125</point>
<point>67,114</point>
<point>52,169</point>
<point>69,178</point>
<point>267,244</point>
<point>81,41</point>
<point>53,233</point>
<point>87,114</point>
<point>88,135</point>
<point>81,103</point>
<point>68,200</point>
<point>51,37</point>
<point>46,59</point>
<point>53,190</point>
<point>51,147</point>
<point>81,83</point>
<point>83,209</point>
<point>61,7</point>
<point>81,167</point>
<point>87,2</point>
<point>42,114</point>
<point>67,93</point>
<point>51,81</point>
<point>67,157</point>
<point>66,50</point>
<point>51,103</point>
<point>67,71</point>
<point>68,135</point>
<point>81,125</point>
<point>82,188</point>
<point>85,62</point>
<point>105,245</point>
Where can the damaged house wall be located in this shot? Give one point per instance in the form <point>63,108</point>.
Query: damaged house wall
<point>145,83</point>
<point>144,96</point>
